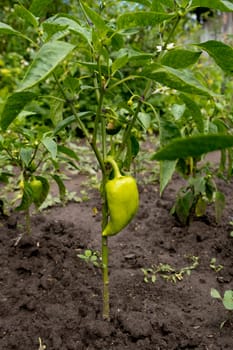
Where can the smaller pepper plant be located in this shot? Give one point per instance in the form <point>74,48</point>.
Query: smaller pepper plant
<point>31,153</point>
<point>201,190</point>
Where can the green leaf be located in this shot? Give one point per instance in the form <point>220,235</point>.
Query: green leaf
<point>67,151</point>
<point>22,12</point>
<point>167,130</point>
<point>210,188</point>
<point>50,145</point>
<point>142,19</point>
<point>132,150</point>
<point>96,19</point>
<point>195,112</point>
<point>69,120</point>
<point>54,29</point>
<point>45,61</point>
<point>177,111</point>
<point>198,184</point>
<point>26,155</point>
<point>119,63</point>
<point>181,80</point>
<point>215,294</point>
<point>61,186</point>
<point>193,146</point>
<point>142,2</point>
<point>220,52</point>
<point>72,84</point>
<point>144,119</point>
<point>179,58</point>
<point>183,206</point>
<point>156,6</point>
<point>159,5</point>
<point>134,146</point>
<point>14,105</point>
<point>88,253</point>
<point>4,177</point>
<point>228,299</point>
<point>221,5</point>
<point>40,7</point>
<point>71,24</point>
<point>27,199</point>
<point>219,201</point>
<point>56,110</point>
<point>64,123</point>
<point>117,40</point>
<point>6,29</point>
<point>167,169</point>
<point>134,56</point>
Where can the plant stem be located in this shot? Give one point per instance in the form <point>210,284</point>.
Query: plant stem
<point>70,103</point>
<point>106,307</point>
<point>99,119</point>
<point>104,253</point>
<point>130,77</point>
<point>129,128</point>
<point>100,158</point>
<point>82,126</point>
<point>171,32</point>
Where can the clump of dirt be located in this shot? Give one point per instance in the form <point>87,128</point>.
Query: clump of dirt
<point>48,292</point>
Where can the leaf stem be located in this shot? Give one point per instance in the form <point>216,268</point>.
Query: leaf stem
<point>171,32</point>
<point>113,163</point>
<point>129,128</point>
<point>130,77</point>
<point>82,126</point>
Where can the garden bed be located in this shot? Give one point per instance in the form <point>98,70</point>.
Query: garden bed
<point>48,292</point>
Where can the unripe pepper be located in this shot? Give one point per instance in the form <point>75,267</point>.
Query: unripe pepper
<point>36,187</point>
<point>122,198</point>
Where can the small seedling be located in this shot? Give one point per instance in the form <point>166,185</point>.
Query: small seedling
<point>231,233</point>
<point>214,266</point>
<point>41,345</point>
<point>227,300</point>
<point>92,257</point>
<point>169,273</point>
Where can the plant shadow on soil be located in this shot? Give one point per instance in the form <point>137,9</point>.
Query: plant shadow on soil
<point>47,292</point>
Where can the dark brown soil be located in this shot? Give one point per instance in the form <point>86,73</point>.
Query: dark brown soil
<point>48,292</point>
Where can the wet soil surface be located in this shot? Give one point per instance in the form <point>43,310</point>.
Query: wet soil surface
<point>48,292</point>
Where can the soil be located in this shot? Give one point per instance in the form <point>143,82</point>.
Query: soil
<point>50,295</point>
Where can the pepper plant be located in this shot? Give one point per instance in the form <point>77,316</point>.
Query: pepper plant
<point>101,69</point>
<point>32,155</point>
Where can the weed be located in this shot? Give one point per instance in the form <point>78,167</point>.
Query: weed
<point>92,257</point>
<point>227,301</point>
<point>41,345</point>
<point>169,273</point>
<point>215,267</point>
<point>231,233</point>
